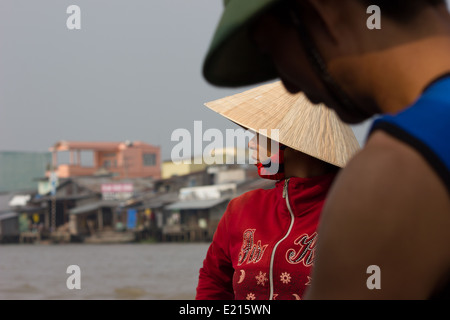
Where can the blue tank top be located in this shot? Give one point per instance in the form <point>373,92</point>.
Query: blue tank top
<point>425,126</point>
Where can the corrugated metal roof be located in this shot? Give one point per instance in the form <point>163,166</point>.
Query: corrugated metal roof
<point>7,215</point>
<point>195,204</point>
<point>93,206</point>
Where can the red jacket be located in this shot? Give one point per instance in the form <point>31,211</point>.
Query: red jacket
<point>264,245</point>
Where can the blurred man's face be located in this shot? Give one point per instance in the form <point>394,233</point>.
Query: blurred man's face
<point>282,43</point>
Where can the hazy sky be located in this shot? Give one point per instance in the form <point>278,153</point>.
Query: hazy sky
<point>133,72</point>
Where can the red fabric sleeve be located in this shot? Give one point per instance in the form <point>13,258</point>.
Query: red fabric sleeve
<point>216,275</point>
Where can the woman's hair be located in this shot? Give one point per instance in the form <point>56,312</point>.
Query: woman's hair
<point>401,10</point>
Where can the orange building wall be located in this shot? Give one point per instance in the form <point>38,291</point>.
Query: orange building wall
<point>126,160</point>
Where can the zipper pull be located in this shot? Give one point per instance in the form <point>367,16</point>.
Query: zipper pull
<point>285,188</point>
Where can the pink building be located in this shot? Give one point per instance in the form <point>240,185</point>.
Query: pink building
<point>122,159</point>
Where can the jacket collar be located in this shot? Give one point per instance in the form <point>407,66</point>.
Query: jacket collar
<point>305,193</point>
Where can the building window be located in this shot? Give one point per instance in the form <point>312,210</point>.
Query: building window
<point>107,164</point>
<point>192,182</point>
<point>109,155</point>
<point>149,159</point>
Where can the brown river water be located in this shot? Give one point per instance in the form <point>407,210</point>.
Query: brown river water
<point>113,271</point>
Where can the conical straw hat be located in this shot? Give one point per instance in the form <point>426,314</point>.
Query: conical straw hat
<point>312,129</point>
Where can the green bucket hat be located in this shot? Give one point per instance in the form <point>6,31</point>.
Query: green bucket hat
<point>233,60</point>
